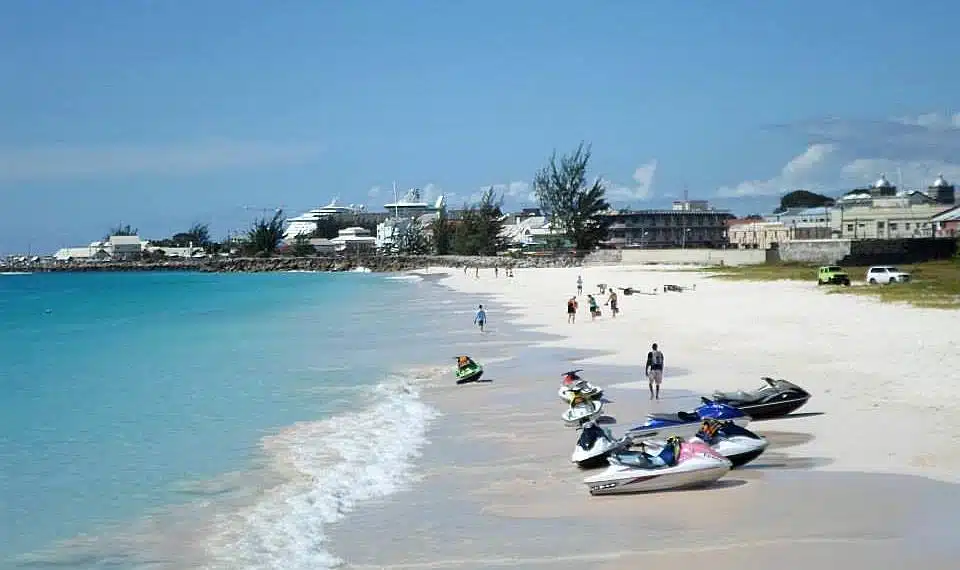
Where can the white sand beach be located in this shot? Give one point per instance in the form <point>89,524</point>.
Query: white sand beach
<point>884,376</point>
<point>864,476</point>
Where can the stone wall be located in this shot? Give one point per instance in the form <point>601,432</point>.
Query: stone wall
<point>694,256</point>
<point>813,251</point>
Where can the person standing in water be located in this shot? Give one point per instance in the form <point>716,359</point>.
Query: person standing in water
<point>481,318</point>
<point>654,370</point>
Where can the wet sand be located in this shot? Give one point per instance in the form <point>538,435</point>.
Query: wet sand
<point>498,490</point>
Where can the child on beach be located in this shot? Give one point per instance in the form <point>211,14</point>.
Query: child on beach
<point>481,318</point>
<point>572,310</point>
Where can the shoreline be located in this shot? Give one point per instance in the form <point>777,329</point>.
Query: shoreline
<point>497,489</point>
<point>373,263</point>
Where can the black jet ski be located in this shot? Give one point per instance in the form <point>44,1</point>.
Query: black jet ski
<point>777,398</point>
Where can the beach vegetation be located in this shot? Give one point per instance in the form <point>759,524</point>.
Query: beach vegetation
<point>301,247</point>
<point>574,205</point>
<point>265,235</point>
<point>934,284</point>
<point>122,230</point>
<point>412,239</point>
<point>480,228</point>
<point>441,233</point>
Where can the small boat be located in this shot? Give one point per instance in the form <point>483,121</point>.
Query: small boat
<point>679,464</point>
<point>739,445</point>
<point>582,410</point>
<point>776,398</point>
<point>467,370</point>
<point>685,424</point>
<point>595,444</point>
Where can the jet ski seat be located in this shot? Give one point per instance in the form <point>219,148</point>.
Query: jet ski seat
<point>682,417</point>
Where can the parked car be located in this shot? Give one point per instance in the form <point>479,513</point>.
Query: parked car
<point>833,275</point>
<point>885,274</point>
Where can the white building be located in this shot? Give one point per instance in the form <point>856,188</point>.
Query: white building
<point>883,213</point>
<point>115,248</point>
<point>528,228</point>
<point>405,211</point>
<point>354,239</point>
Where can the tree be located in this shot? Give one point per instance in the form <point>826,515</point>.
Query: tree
<point>441,233</point>
<point>302,247</point>
<point>412,239</point>
<point>264,235</point>
<point>480,231</point>
<point>574,206</point>
<point>803,199</point>
<point>122,230</point>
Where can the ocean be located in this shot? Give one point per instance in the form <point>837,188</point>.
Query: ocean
<point>174,420</point>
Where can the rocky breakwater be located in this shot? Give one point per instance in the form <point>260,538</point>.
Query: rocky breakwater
<point>378,263</point>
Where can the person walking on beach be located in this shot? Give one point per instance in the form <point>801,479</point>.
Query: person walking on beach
<point>612,301</point>
<point>654,370</point>
<point>594,309</point>
<point>579,285</point>
<point>572,310</point>
<point>481,318</point>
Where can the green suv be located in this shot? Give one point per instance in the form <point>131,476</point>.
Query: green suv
<point>832,275</point>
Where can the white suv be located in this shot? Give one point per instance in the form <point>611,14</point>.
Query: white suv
<point>886,274</point>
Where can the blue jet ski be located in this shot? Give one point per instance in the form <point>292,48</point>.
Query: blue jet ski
<point>686,424</point>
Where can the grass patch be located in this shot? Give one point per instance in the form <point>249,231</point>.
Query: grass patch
<point>935,284</point>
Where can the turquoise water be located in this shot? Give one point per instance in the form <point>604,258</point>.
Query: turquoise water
<point>123,394</point>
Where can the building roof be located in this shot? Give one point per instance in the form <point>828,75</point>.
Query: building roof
<point>950,215</point>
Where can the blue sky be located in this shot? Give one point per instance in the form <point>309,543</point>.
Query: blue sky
<point>164,113</point>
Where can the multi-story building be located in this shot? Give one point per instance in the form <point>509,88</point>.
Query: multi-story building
<point>805,223</point>
<point>690,223</point>
<point>881,212</point>
<point>754,234</point>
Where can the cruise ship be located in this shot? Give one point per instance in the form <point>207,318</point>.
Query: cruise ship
<point>306,223</point>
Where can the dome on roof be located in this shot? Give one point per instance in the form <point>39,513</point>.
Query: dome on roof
<point>940,182</point>
<point>882,182</point>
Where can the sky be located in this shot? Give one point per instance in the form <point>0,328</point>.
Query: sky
<point>162,114</point>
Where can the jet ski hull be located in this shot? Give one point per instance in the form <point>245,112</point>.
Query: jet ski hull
<point>471,374</point>
<point>585,411</point>
<point>737,449</point>
<point>697,467</point>
<point>595,454</point>
<point>777,398</point>
<point>686,424</point>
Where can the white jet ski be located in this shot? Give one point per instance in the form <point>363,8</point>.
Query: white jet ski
<point>582,388</point>
<point>595,444</point>
<point>680,464</point>
<point>582,410</point>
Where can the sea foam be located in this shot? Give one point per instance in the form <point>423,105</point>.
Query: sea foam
<point>330,466</point>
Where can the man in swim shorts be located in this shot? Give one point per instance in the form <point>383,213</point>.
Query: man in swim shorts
<point>654,370</point>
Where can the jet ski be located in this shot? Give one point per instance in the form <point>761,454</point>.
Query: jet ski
<point>595,444</point>
<point>685,424</point>
<point>777,398</point>
<point>573,384</point>
<point>679,464</point>
<point>582,410</point>
<point>739,445</point>
<point>467,370</point>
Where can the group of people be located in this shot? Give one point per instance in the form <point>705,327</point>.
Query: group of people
<point>654,366</point>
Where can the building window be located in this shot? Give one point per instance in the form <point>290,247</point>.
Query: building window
<point>893,226</point>
<point>906,226</point>
<point>849,227</point>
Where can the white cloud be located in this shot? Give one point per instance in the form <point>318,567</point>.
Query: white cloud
<point>373,192</point>
<point>800,171</point>
<point>844,154</point>
<point>642,189</point>
<point>67,163</point>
